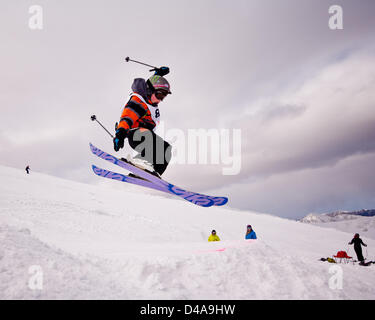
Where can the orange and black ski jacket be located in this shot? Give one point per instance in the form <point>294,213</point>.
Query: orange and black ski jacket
<point>138,111</point>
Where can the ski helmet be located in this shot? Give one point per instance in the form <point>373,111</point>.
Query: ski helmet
<point>159,83</point>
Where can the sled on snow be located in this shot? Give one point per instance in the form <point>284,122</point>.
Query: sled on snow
<point>342,257</point>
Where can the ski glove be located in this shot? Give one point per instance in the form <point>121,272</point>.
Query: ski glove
<point>162,71</point>
<point>118,140</point>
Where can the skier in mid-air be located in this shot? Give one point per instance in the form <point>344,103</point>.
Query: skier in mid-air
<point>139,118</point>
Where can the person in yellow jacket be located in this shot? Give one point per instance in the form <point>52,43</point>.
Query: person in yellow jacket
<point>213,236</point>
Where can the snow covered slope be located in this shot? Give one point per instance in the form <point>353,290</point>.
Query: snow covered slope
<point>362,222</point>
<point>96,242</point>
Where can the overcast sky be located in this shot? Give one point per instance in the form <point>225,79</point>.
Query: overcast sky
<point>302,95</point>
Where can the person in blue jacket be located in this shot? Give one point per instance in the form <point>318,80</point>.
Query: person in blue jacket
<point>250,233</point>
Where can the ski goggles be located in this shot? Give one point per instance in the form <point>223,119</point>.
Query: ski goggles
<point>161,94</point>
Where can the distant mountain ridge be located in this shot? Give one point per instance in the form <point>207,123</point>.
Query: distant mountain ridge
<point>337,216</point>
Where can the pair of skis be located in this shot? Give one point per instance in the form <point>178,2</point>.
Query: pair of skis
<point>151,181</point>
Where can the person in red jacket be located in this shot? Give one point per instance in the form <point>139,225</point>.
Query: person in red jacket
<point>138,121</point>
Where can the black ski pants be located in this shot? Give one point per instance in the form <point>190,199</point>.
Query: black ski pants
<point>151,147</point>
<point>358,251</point>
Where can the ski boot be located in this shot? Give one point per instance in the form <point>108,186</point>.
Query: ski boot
<point>142,164</point>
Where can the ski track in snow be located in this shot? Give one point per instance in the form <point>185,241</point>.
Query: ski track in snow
<point>96,242</point>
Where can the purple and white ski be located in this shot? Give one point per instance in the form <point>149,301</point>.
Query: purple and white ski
<point>124,178</point>
<point>153,181</point>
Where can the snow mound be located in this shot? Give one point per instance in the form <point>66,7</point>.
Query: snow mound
<point>98,242</point>
<point>23,258</point>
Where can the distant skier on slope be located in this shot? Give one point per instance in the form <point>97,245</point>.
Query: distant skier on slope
<point>357,246</point>
<point>139,118</point>
<point>213,236</point>
<point>27,169</point>
<point>250,233</point>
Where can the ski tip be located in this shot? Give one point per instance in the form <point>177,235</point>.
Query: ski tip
<point>95,169</point>
<point>224,201</point>
<point>219,201</point>
<point>92,147</point>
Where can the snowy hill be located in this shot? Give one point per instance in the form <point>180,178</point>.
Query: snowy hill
<point>96,242</point>
<point>362,221</point>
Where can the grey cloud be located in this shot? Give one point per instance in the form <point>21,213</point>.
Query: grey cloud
<point>348,184</point>
<point>285,111</point>
<point>320,134</point>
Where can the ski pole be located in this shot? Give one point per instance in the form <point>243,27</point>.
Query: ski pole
<point>162,71</point>
<point>93,118</point>
<point>348,251</point>
<point>127,59</point>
